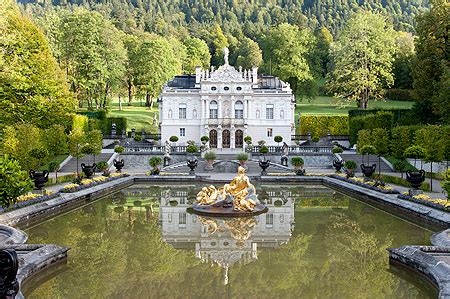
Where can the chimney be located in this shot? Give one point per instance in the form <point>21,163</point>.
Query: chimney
<point>255,75</point>
<point>198,74</point>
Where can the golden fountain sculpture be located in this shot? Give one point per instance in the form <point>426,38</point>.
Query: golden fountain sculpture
<point>238,198</point>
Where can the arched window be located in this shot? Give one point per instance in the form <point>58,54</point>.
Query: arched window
<point>239,110</point>
<point>226,88</point>
<point>170,113</point>
<point>269,111</point>
<point>213,110</point>
<point>182,111</point>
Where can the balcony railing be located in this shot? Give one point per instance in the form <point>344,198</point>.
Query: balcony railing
<point>226,121</point>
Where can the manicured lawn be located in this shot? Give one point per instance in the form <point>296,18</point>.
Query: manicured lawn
<point>58,159</point>
<point>330,105</point>
<point>138,116</point>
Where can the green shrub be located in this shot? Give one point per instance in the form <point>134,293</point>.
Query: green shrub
<point>415,152</point>
<point>400,141</point>
<point>297,161</point>
<point>368,150</point>
<point>102,165</point>
<point>14,181</point>
<point>263,150</point>
<point>55,140</point>
<point>364,138</point>
<point>242,157</point>
<point>119,149</point>
<point>248,139</point>
<point>278,139</point>
<point>315,139</point>
<point>356,124</point>
<point>137,138</point>
<point>80,123</point>
<point>210,155</point>
<point>99,114</point>
<point>40,154</point>
<point>204,139</point>
<point>320,125</point>
<point>173,138</point>
<point>350,164</point>
<point>155,161</point>
<point>337,150</point>
<point>192,149</point>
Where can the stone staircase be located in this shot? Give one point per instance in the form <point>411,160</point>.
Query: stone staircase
<point>71,166</point>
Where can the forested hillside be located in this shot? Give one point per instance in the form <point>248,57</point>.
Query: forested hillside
<point>249,16</point>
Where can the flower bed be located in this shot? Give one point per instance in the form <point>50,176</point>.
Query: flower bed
<point>86,183</point>
<point>386,189</point>
<point>440,204</point>
<point>28,200</point>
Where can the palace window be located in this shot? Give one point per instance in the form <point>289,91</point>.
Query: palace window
<point>269,111</point>
<point>182,132</point>
<point>239,88</point>
<point>182,111</point>
<point>239,110</point>
<point>269,132</point>
<point>213,110</point>
<point>182,218</point>
<point>226,88</point>
<point>213,88</point>
<point>269,220</point>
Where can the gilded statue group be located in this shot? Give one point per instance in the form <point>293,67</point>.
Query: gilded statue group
<point>239,193</point>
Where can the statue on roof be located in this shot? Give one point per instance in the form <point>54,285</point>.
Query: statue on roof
<point>226,52</point>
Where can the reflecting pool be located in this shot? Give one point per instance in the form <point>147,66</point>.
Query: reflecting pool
<point>313,243</point>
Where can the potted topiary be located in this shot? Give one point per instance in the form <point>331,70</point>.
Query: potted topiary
<point>367,170</point>
<point>400,166</point>
<point>415,178</point>
<point>337,150</point>
<point>210,156</point>
<point>350,167</point>
<point>138,138</point>
<point>119,149</point>
<point>248,141</point>
<point>298,163</point>
<point>192,161</point>
<point>88,170</point>
<point>173,139</point>
<point>315,139</point>
<point>155,163</point>
<point>264,164</point>
<point>204,139</point>
<point>278,139</point>
<point>263,150</point>
<point>242,158</point>
<point>103,166</point>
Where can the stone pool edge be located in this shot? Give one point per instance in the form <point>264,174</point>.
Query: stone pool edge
<point>413,257</point>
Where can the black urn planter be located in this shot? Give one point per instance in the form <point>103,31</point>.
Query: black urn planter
<point>9,265</point>
<point>119,164</point>
<point>338,164</point>
<point>264,165</point>
<point>415,178</point>
<point>368,170</point>
<point>300,171</point>
<point>349,172</point>
<point>192,163</point>
<point>88,169</point>
<point>39,178</point>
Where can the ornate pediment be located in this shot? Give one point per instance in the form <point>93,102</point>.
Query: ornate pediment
<point>226,73</point>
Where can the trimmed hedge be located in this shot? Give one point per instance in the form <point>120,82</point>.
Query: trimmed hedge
<point>402,117</point>
<point>396,94</point>
<point>100,114</point>
<point>320,125</point>
<point>403,182</point>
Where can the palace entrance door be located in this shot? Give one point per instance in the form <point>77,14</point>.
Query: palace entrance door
<point>239,139</point>
<point>226,139</point>
<point>213,139</point>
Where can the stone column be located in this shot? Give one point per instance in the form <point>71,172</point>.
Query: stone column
<point>219,136</point>
<point>232,137</point>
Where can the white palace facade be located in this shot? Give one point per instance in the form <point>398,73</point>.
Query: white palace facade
<point>226,105</point>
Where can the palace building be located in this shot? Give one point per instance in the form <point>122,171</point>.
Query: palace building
<point>226,105</point>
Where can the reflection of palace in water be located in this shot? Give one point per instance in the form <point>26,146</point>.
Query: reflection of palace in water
<point>225,241</point>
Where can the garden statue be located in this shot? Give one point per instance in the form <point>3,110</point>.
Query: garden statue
<point>9,265</point>
<point>39,178</point>
<point>167,151</point>
<point>238,198</point>
<point>192,164</point>
<point>338,164</point>
<point>284,154</point>
<point>226,53</point>
<point>113,129</point>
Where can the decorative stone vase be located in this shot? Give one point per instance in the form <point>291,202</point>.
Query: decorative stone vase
<point>415,178</point>
<point>192,163</point>
<point>155,171</point>
<point>119,164</point>
<point>88,169</point>
<point>9,265</point>
<point>264,164</point>
<point>338,164</point>
<point>209,165</point>
<point>368,170</point>
<point>39,178</point>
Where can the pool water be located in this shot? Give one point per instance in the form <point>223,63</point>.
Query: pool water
<point>313,243</point>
